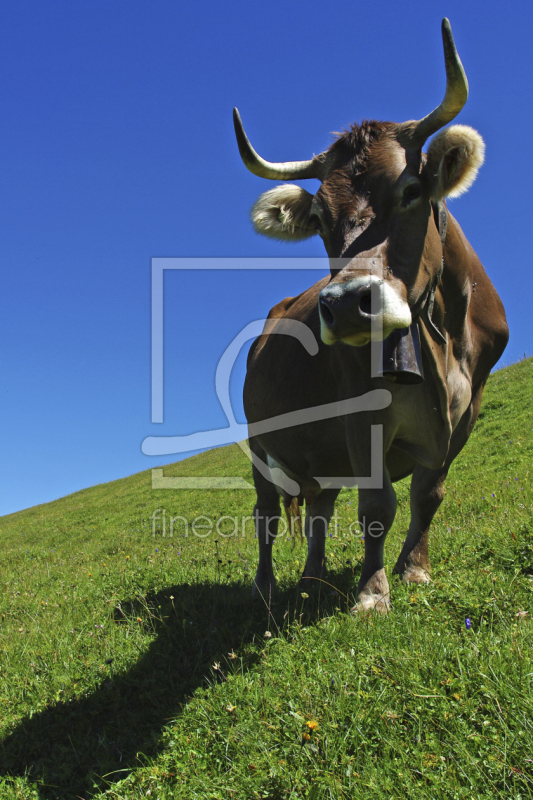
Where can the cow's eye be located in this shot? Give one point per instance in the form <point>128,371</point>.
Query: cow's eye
<point>411,192</point>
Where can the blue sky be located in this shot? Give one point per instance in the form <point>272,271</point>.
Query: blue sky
<point>118,146</point>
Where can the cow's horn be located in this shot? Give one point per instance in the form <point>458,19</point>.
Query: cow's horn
<point>456,92</point>
<point>284,170</point>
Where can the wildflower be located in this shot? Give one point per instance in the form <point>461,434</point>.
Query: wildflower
<point>139,619</point>
<point>230,708</point>
<point>305,595</point>
<point>312,724</point>
<point>305,737</point>
<point>268,635</point>
<point>232,655</point>
<point>468,624</point>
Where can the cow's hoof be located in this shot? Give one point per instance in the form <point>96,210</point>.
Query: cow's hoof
<point>415,575</point>
<point>372,602</point>
<point>374,595</point>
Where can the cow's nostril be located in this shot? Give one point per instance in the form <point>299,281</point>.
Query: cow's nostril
<point>365,302</point>
<point>326,314</point>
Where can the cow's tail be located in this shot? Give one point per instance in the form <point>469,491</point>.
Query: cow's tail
<point>294,518</point>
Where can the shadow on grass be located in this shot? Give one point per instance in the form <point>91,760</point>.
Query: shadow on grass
<point>76,748</point>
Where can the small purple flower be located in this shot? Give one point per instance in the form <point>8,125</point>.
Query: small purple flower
<point>493,494</point>
<point>468,624</point>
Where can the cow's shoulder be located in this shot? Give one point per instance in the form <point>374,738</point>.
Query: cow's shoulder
<point>302,308</point>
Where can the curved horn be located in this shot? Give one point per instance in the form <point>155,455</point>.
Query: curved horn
<point>284,170</point>
<point>456,92</point>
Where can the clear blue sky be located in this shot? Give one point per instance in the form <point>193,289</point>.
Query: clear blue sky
<point>117,146</point>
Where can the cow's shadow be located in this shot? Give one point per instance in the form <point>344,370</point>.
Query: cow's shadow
<point>68,748</point>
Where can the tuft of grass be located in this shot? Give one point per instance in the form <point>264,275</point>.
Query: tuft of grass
<point>134,664</point>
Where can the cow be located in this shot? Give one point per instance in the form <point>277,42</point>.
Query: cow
<point>402,274</point>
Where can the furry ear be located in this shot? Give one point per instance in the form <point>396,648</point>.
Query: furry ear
<point>283,213</point>
<point>453,159</point>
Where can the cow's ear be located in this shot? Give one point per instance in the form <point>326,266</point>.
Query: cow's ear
<point>283,213</point>
<point>453,159</point>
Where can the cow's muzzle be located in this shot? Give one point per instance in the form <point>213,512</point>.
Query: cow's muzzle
<point>361,309</point>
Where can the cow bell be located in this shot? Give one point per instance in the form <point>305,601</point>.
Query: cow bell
<point>401,356</point>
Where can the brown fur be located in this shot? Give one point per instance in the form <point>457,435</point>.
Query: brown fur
<point>352,148</point>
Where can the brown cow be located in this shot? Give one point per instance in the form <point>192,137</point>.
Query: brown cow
<point>402,272</point>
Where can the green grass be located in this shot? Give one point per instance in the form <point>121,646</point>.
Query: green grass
<point>135,666</point>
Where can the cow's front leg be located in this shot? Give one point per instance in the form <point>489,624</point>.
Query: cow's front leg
<point>377,508</point>
<point>427,491</point>
<point>317,516</point>
<point>367,444</point>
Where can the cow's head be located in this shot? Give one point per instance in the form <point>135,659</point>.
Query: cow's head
<point>374,209</point>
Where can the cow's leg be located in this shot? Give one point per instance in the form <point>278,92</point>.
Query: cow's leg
<point>317,516</point>
<point>427,492</point>
<point>266,515</point>
<point>377,508</point>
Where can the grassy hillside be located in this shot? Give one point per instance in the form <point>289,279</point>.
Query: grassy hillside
<point>135,665</point>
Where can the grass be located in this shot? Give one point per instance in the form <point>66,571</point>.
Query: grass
<point>135,665</point>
